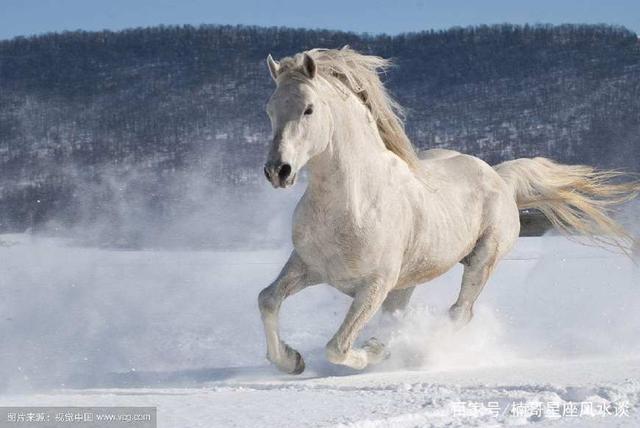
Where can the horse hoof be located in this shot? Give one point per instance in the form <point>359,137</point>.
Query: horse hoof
<point>294,362</point>
<point>290,363</point>
<point>376,351</point>
<point>299,367</point>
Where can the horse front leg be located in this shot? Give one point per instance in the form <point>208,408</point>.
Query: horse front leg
<point>293,278</point>
<point>365,304</point>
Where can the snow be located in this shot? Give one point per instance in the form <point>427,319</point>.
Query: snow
<point>558,323</point>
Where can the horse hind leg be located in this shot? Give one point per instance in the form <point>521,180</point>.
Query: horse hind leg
<point>397,300</point>
<point>478,266</point>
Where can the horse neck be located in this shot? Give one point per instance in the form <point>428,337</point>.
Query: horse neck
<point>354,157</point>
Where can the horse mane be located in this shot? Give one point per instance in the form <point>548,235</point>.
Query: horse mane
<point>361,75</point>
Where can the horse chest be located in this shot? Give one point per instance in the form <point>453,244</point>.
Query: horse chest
<point>336,243</point>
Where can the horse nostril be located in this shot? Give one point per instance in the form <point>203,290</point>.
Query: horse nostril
<point>284,171</point>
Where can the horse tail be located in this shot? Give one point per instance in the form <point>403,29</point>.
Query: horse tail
<point>577,199</point>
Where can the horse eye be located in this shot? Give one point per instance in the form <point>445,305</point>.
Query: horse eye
<point>309,110</point>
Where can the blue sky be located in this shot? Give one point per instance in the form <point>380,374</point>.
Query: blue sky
<point>26,17</point>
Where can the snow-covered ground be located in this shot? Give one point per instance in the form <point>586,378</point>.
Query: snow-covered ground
<point>557,329</point>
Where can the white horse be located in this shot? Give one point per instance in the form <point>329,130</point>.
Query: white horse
<point>376,219</point>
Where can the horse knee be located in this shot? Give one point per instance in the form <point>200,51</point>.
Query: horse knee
<point>266,300</point>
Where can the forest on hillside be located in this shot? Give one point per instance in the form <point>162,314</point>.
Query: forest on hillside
<point>115,125</point>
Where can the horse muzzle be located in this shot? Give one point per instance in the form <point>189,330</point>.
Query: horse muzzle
<point>279,174</point>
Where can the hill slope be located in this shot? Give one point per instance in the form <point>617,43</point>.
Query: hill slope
<point>89,121</point>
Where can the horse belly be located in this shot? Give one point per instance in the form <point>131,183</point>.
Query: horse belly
<point>436,249</point>
<point>423,270</point>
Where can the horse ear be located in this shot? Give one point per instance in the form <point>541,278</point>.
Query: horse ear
<point>309,66</point>
<point>274,67</point>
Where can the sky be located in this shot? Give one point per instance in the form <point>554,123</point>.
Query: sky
<point>28,17</point>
